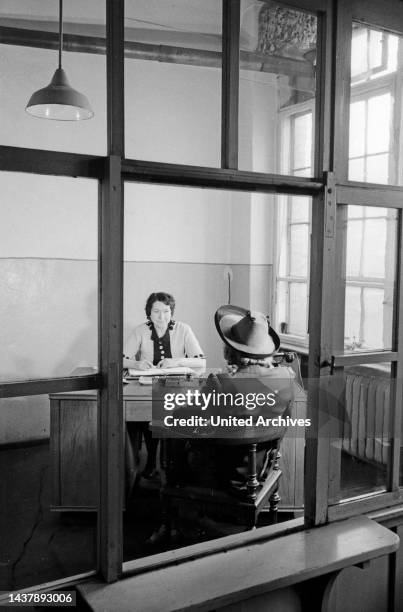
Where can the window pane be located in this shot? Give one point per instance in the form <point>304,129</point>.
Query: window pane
<point>300,207</point>
<point>356,169</point>
<point>364,413</point>
<point>299,250</point>
<point>354,246</point>
<point>379,113</point>
<point>282,306</point>
<point>373,317</point>
<point>293,243</point>
<point>357,129</point>
<point>298,308</point>
<point>373,258</point>
<point>282,235</point>
<point>377,169</point>
<point>209,264</point>
<point>375,48</point>
<point>49,261</point>
<point>358,51</point>
<point>173,81</point>
<point>375,212</point>
<point>26,69</point>
<point>353,317</point>
<point>370,279</point>
<point>40,543</point>
<point>373,53</point>
<point>277,88</point>
<point>302,141</point>
<point>356,211</point>
<point>375,130</point>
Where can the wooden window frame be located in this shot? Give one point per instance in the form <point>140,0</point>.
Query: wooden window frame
<point>348,192</point>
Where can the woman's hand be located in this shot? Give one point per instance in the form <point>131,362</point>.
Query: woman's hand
<point>143,364</point>
<point>170,362</point>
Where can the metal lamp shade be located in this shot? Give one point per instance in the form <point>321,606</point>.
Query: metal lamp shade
<point>59,101</point>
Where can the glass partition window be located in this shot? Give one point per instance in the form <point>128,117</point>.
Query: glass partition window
<point>370,274</point>
<point>49,276</point>
<point>375,133</point>
<point>277,87</point>
<point>221,253</point>
<point>43,537</point>
<point>361,395</point>
<point>29,58</point>
<point>173,81</point>
<point>370,278</point>
<point>362,406</point>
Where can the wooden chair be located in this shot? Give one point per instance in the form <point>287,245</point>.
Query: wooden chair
<point>235,476</point>
<point>240,499</point>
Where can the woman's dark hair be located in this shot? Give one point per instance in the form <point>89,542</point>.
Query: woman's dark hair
<point>161,296</point>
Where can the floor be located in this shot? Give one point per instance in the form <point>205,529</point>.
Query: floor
<point>40,546</point>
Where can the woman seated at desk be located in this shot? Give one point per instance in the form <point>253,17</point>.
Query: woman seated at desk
<point>161,342</point>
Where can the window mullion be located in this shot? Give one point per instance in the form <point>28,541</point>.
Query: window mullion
<point>110,413</point>
<point>230,83</point>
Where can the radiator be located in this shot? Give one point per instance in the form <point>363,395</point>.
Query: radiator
<point>366,423</point>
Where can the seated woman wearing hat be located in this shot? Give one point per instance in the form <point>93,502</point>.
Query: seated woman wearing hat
<point>249,344</point>
<point>214,457</point>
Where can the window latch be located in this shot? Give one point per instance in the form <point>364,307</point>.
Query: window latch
<point>329,364</point>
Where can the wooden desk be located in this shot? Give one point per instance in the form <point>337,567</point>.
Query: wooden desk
<point>73,445</point>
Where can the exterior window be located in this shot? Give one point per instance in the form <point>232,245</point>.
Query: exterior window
<point>373,53</point>
<point>375,93</point>
<point>293,229</point>
<point>369,155</point>
<point>374,137</point>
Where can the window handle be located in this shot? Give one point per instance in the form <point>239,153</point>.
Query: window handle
<point>329,364</point>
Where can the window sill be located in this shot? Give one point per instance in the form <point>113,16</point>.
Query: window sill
<point>282,562</point>
<point>294,343</point>
<point>130,568</point>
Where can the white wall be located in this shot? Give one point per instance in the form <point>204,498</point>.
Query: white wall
<point>48,289</point>
<point>173,113</point>
<point>258,120</point>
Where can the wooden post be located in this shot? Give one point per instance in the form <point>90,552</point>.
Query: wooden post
<point>110,417</point>
<point>230,83</point>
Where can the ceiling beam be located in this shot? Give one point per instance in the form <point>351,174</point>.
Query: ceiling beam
<point>78,43</point>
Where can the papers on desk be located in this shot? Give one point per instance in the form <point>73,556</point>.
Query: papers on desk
<point>180,370</point>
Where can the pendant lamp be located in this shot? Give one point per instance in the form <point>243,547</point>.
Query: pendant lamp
<point>59,100</point>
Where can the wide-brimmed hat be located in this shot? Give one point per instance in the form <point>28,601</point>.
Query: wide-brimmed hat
<point>248,332</point>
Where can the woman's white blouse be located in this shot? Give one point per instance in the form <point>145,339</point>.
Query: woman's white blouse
<point>183,342</point>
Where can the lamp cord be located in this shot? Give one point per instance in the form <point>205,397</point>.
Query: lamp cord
<point>60,31</point>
